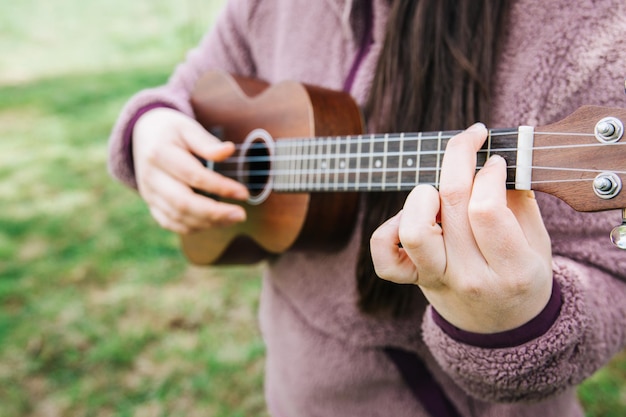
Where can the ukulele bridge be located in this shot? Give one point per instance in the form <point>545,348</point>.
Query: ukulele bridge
<point>254,168</point>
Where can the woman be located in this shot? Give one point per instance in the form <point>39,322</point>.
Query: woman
<point>341,341</point>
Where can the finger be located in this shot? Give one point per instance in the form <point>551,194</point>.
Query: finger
<point>458,166</point>
<point>526,210</point>
<point>187,141</point>
<point>421,236</point>
<point>489,210</point>
<point>390,260</point>
<point>203,144</point>
<point>168,223</point>
<point>181,205</point>
<point>188,132</point>
<point>519,254</point>
<point>458,169</point>
<point>187,169</point>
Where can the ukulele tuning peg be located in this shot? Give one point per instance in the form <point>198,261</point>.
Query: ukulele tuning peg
<point>618,234</point>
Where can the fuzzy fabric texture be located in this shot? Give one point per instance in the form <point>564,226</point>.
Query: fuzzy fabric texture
<point>323,356</point>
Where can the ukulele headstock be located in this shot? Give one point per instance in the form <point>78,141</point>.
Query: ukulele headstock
<point>582,160</point>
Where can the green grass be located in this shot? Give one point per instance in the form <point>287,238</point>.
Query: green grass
<point>99,313</point>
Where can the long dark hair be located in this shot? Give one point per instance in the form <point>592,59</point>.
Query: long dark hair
<point>434,73</point>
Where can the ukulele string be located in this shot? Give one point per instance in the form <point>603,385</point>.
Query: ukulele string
<point>341,142</point>
<point>366,155</point>
<point>394,137</point>
<point>316,180</point>
<point>379,186</point>
<point>261,173</point>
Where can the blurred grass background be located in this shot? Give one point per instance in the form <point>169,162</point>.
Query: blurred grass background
<point>99,313</point>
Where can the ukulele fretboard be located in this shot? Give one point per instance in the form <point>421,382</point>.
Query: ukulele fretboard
<point>389,162</point>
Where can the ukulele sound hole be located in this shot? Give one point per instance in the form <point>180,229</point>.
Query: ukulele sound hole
<point>255,165</point>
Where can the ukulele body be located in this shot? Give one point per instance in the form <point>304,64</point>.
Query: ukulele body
<point>234,107</point>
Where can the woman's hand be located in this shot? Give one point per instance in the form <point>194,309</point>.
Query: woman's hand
<point>480,253</point>
<point>164,144</point>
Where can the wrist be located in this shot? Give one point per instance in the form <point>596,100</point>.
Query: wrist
<point>127,137</point>
<point>532,329</point>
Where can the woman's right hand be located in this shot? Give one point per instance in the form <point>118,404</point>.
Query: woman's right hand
<point>164,144</point>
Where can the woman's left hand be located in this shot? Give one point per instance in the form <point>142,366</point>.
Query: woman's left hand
<point>480,253</point>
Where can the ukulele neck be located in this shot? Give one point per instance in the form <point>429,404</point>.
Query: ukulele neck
<point>363,163</point>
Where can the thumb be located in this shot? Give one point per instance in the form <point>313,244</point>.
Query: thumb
<point>201,142</point>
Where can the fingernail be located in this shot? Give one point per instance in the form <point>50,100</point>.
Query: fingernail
<point>237,216</point>
<point>241,194</point>
<point>476,127</point>
<point>494,159</point>
<point>227,143</point>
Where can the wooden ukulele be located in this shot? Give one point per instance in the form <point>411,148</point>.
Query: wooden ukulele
<point>302,155</point>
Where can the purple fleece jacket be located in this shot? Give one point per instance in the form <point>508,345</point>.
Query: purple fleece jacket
<point>325,358</point>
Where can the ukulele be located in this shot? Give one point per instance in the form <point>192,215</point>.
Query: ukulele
<point>302,154</point>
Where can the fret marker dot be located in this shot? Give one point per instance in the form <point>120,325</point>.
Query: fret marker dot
<point>342,164</point>
<point>323,164</point>
<point>378,163</point>
<point>409,162</point>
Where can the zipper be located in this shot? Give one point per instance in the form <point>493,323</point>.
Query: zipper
<point>367,39</point>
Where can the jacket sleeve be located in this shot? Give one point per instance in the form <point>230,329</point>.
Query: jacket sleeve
<point>224,47</point>
<point>589,329</point>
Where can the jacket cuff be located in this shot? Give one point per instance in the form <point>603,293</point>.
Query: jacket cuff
<point>510,338</point>
<point>127,135</point>
<point>550,363</point>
